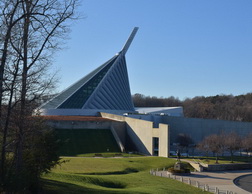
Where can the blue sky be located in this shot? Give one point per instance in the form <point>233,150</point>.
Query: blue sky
<point>183,48</point>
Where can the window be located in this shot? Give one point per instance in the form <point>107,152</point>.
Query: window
<point>155,145</point>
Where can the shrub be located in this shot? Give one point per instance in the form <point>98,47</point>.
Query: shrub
<point>174,171</point>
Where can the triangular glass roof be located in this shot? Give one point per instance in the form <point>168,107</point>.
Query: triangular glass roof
<point>105,88</point>
<point>79,98</point>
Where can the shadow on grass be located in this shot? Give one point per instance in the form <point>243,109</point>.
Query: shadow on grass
<point>126,171</point>
<point>57,187</point>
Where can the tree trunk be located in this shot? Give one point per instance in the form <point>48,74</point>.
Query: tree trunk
<point>3,153</point>
<point>2,67</point>
<point>216,159</point>
<point>22,113</point>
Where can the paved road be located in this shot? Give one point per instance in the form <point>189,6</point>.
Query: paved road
<point>223,180</point>
<point>244,182</point>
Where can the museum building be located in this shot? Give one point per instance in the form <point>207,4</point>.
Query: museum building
<point>102,100</point>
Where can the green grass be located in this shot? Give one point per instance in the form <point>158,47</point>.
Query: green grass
<point>80,141</point>
<point>112,175</point>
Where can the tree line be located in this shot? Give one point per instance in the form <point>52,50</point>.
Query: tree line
<point>222,107</point>
<point>217,144</point>
<point>225,142</point>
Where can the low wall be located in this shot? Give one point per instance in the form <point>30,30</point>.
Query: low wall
<point>224,167</point>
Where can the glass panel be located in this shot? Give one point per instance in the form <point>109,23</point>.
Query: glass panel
<point>78,99</point>
<point>155,141</point>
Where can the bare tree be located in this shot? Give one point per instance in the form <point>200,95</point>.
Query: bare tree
<point>184,141</point>
<point>9,18</point>
<point>31,31</point>
<point>247,143</point>
<point>204,146</point>
<point>213,143</point>
<point>232,143</point>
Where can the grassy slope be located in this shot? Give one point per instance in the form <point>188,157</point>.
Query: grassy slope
<point>113,175</point>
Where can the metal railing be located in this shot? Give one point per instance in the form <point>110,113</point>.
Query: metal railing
<point>189,181</point>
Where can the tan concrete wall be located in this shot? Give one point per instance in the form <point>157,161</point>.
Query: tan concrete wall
<point>142,133</point>
<point>120,129</point>
<point>118,140</point>
<point>164,146</point>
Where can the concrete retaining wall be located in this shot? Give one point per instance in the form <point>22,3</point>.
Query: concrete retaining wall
<point>118,129</point>
<point>142,132</point>
<point>200,128</point>
<point>223,167</point>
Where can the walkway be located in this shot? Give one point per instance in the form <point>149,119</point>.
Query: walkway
<point>223,180</point>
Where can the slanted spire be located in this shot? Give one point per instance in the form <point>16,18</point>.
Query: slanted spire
<point>105,88</point>
<point>129,41</point>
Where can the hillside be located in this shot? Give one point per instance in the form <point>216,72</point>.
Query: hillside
<point>113,175</point>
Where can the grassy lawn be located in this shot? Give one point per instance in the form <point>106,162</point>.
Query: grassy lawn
<point>112,175</point>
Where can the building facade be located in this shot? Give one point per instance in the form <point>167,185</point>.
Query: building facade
<point>102,100</point>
